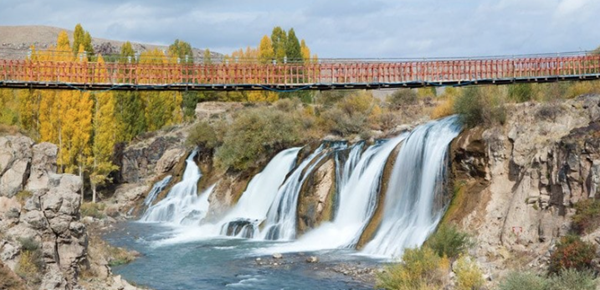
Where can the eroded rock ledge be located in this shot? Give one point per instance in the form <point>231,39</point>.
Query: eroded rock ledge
<point>519,182</point>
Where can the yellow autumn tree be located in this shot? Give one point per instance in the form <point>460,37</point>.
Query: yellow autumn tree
<point>104,127</point>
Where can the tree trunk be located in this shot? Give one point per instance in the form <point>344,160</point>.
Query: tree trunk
<point>93,185</point>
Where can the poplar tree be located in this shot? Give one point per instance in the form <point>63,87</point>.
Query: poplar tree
<point>305,51</point>
<point>78,38</point>
<point>279,40</point>
<point>104,133</point>
<point>265,50</point>
<point>293,50</point>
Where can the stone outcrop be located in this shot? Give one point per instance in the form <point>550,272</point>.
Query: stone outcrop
<point>139,160</point>
<point>41,226</point>
<point>316,199</point>
<point>15,159</point>
<point>168,160</point>
<point>521,180</point>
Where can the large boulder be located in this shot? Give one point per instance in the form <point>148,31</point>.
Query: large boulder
<point>15,158</point>
<point>139,160</point>
<point>43,164</point>
<point>169,159</point>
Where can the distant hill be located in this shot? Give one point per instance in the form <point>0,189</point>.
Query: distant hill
<point>16,40</point>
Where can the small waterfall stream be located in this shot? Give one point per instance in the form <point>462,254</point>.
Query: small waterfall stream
<point>409,214</point>
<point>281,219</point>
<point>182,205</point>
<point>243,220</point>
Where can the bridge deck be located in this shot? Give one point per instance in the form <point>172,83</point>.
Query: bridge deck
<point>85,75</point>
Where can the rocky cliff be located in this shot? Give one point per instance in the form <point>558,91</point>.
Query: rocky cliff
<point>42,236</point>
<point>515,185</point>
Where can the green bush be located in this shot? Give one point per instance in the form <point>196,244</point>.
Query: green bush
<point>587,216</point>
<point>571,279</point>
<point>480,106</point>
<point>401,98</point>
<point>92,209</point>
<point>449,241</point>
<point>351,115</point>
<point>523,280</point>
<point>202,135</point>
<point>258,133</point>
<point>419,269</point>
<point>572,253</point>
<point>520,92</point>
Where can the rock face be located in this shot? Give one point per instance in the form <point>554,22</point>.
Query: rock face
<point>169,159</point>
<point>42,165</point>
<point>523,179</point>
<point>316,196</point>
<point>51,218</point>
<point>42,227</point>
<point>15,158</point>
<point>140,160</point>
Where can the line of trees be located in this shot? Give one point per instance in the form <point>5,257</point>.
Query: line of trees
<point>88,126</point>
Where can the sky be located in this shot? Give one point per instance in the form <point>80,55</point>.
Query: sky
<point>333,28</point>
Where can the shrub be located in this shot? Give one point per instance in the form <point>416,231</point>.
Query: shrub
<point>468,274</point>
<point>520,92</point>
<point>351,115</point>
<point>257,133</point>
<point>288,105</point>
<point>523,280</point>
<point>571,279</point>
<point>92,209</point>
<point>119,256</point>
<point>401,98</point>
<point>587,216</point>
<point>480,106</point>
<point>203,136</point>
<point>30,262</point>
<point>449,241</point>
<point>572,253</point>
<point>419,269</point>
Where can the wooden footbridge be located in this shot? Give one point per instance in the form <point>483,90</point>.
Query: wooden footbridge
<point>325,74</point>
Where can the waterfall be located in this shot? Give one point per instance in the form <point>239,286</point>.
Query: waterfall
<point>182,205</point>
<point>409,214</point>
<point>251,210</point>
<point>156,189</point>
<point>281,218</point>
<point>357,200</point>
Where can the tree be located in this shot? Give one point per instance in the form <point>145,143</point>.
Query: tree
<point>207,57</point>
<point>279,40</point>
<point>293,51</point>
<point>305,51</point>
<point>127,53</point>
<point>78,38</point>
<point>182,50</point>
<point>104,139</point>
<point>87,45</point>
<point>265,50</point>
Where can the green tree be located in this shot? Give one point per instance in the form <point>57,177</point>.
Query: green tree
<point>279,40</point>
<point>293,50</point>
<point>127,52</point>
<point>129,114</point>
<point>78,36</point>
<point>87,45</point>
<point>182,50</point>
<point>207,59</point>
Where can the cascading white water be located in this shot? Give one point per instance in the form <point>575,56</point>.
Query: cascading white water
<point>156,189</point>
<point>182,205</point>
<point>409,215</point>
<point>281,218</point>
<point>252,208</point>
<point>357,203</point>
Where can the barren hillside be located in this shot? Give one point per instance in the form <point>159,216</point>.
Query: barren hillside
<point>16,40</point>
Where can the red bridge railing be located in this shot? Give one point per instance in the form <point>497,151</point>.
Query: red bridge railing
<point>321,75</point>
